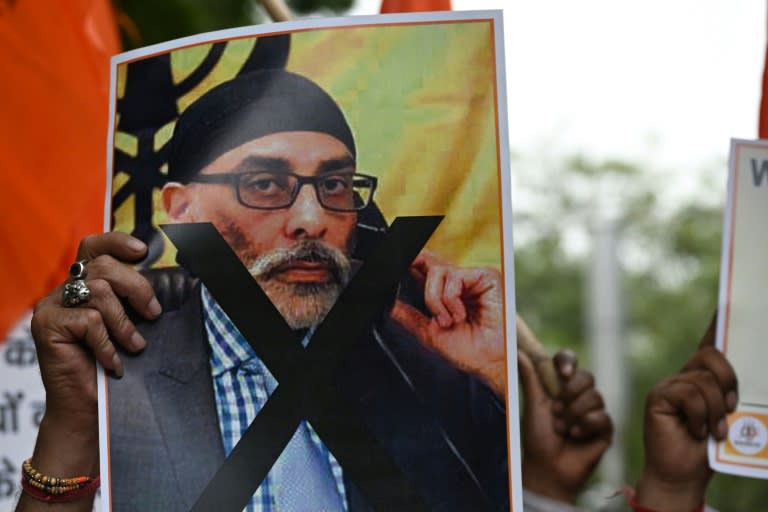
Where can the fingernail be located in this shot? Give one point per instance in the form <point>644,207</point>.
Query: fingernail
<point>731,401</point>
<point>137,341</point>
<point>557,406</point>
<point>136,245</point>
<point>154,307</point>
<point>567,369</point>
<point>575,431</point>
<point>722,429</point>
<point>117,367</point>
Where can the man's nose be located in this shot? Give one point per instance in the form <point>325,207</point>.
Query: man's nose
<point>306,216</point>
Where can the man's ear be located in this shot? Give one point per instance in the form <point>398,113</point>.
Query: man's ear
<point>176,201</point>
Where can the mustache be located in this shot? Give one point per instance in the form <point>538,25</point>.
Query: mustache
<point>266,266</point>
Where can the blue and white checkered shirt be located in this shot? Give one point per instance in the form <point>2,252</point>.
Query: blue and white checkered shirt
<point>242,385</point>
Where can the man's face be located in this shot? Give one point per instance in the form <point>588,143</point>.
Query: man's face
<point>298,254</point>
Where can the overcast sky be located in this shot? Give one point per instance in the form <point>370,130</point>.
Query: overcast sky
<point>668,82</point>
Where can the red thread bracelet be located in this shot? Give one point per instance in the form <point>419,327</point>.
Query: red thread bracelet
<point>60,498</point>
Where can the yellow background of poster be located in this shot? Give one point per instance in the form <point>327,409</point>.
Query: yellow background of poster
<point>420,99</point>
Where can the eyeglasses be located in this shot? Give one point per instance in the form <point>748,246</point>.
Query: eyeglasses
<point>339,192</point>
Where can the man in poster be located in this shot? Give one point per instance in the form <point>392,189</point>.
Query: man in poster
<point>269,159</point>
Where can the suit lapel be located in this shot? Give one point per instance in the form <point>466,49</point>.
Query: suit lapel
<point>182,396</point>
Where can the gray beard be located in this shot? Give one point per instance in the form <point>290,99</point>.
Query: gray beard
<point>302,305</point>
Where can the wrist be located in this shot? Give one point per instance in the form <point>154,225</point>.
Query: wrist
<point>662,495</point>
<point>541,480</point>
<point>495,377</point>
<point>67,447</point>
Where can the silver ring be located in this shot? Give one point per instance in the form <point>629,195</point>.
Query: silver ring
<point>76,292</point>
<point>78,270</point>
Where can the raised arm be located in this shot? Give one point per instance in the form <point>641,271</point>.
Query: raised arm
<point>69,339</point>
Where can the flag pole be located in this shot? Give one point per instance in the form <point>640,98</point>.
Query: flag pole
<point>277,10</point>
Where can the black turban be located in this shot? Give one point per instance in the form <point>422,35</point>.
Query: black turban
<point>247,107</point>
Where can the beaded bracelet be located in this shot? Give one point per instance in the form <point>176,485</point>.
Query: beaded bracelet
<point>53,489</point>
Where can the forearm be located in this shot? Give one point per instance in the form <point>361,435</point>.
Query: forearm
<point>64,449</point>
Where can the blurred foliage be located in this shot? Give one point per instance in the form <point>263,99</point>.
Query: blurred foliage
<point>309,6</point>
<point>670,257</point>
<point>148,22</point>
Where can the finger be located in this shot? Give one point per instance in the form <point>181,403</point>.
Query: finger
<point>86,325</point>
<point>708,340</point>
<point>426,260</point>
<point>433,296</point>
<point>533,392</point>
<point>418,276</point>
<point>413,320</point>
<point>596,424</point>
<point>566,363</point>
<point>579,383</point>
<point>689,404</point>
<point>708,387</point>
<point>714,361</point>
<point>120,327</point>
<point>454,286</point>
<point>582,405</point>
<point>97,338</point>
<point>127,283</point>
<point>119,245</point>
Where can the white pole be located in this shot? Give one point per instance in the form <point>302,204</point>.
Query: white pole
<point>607,343</point>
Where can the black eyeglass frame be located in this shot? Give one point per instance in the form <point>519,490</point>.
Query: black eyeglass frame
<point>234,179</point>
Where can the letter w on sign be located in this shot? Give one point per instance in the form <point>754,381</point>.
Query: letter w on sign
<point>759,176</point>
<point>305,390</point>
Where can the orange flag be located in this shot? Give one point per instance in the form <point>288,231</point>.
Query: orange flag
<point>763,126</point>
<point>390,6</point>
<point>54,101</point>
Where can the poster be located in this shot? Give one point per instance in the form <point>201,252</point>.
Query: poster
<point>326,205</point>
<point>742,320</point>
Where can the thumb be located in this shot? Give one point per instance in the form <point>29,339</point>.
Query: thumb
<point>533,391</point>
<point>708,340</point>
<point>565,364</point>
<point>413,320</point>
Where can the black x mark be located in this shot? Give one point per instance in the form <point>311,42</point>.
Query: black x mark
<point>305,390</point>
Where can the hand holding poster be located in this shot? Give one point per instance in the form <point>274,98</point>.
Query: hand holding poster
<point>311,352</point>
<point>742,321</point>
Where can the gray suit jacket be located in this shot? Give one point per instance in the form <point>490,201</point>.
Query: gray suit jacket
<point>165,443</point>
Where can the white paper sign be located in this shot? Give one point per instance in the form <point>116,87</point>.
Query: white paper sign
<point>743,311</point>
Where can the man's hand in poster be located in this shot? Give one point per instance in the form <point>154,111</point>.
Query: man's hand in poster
<point>466,321</point>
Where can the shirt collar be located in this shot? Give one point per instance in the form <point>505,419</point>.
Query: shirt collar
<point>229,348</point>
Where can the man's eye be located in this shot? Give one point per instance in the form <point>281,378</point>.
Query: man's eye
<point>336,185</point>
<point>264,184</point>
